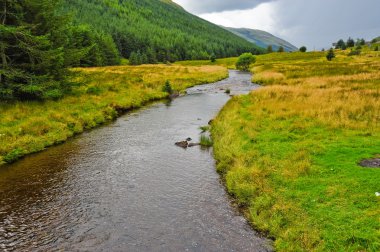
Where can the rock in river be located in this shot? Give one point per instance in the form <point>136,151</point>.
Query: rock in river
<point>183,144</point>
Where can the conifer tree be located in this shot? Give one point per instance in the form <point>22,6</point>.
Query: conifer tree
<point>32,42</point>
<point>270,49</point>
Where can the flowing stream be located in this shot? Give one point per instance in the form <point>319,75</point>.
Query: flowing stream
<point>126,186</point>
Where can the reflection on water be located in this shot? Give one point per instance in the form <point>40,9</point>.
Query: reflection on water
<point>126,187</point>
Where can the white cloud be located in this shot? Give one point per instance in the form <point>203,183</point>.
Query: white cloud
<point>260,17</point>
<point>208,6</point>
<point>314,23</point>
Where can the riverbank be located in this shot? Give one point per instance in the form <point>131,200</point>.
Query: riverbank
<point>28,127</point>
<point>289,152</point>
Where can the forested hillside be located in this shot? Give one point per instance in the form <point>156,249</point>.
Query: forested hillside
<point>154,30</point>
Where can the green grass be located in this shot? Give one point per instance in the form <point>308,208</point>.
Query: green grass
<point>204,128</point>
<point>226,62</point>
<point>206,141</point>
<point>294,147</point>
<point>106,92</point>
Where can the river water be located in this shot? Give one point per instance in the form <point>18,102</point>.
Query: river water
<point>127,187</point>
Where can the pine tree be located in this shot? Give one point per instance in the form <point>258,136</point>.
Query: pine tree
<point>152,56</point>
<point>341,45</point>
<point>330,55</point>
<point>350,42</point>
<point>212,58</point>
<point>270,49</point>
<point>32,42</point>
<point>133,59</point>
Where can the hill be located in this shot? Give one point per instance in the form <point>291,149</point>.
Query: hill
<point>262,38</point>
<point>159,29</point>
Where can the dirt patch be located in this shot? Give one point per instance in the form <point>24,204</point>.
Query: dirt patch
<point>371,163</point>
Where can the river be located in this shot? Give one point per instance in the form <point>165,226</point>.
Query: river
<point>126,186</point>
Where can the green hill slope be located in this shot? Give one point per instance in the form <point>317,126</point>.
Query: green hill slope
<point>262,38</point>
<point>157,28</point>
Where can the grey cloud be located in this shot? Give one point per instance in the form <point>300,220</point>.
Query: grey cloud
<point>208,6</point>
<point>319,22</point>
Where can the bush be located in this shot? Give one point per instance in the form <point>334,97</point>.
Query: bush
<point>354,52</point>
<point>167,88</point>
<point>330,55</point>
<point>270,49</point>
<point>303,49</point>
<point>245,61</point>
<point>206,141</point>
<point>281,49</point>
<point>212,58</point>
<point>94,90</point>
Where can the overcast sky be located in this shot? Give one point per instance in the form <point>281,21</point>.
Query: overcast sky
<point>314,23</point>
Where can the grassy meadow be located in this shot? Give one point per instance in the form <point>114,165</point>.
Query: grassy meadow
<point>225,62</point>
<point>289,152</point>
<point>105,92</point>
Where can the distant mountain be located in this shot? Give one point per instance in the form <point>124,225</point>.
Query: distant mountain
<point>262,38</point>
<point>157,28</point>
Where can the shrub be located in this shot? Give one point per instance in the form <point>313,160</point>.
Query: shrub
<point>204,128</point>
<point>245,61</point>
<point>167,88</point>
<point>281,49</point>
<point>270,49</point>
<point>303,49</point>
<point>206,141</point>
<point>213,58</point>
<point>330,55</point>
<point>94,90</point>
<point>354,52</point>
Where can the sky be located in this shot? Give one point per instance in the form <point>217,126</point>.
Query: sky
<point>313,23</point>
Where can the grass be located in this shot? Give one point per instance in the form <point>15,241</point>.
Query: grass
<point>293,149</point>
<point>206,141</point>
<point>204,128</point>
<point>226,62</point>
<point>28,127</point>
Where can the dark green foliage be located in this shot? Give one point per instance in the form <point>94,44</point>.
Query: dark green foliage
<point>212,58</point>
<point>161,30</point>
<point>376,48</point>
<point>350,42</point>
<point>330,55</point>
<point>138,58</point>
<point>98,49</point>
<point>357,51</point>
<point>269,49</point>
<point>360,42</point>
<point>341,45</point>
<point>167,88</point>
<point>303,49</point>
<point>281,49</point>
<point>33,42</point>
<point>245,61</point>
